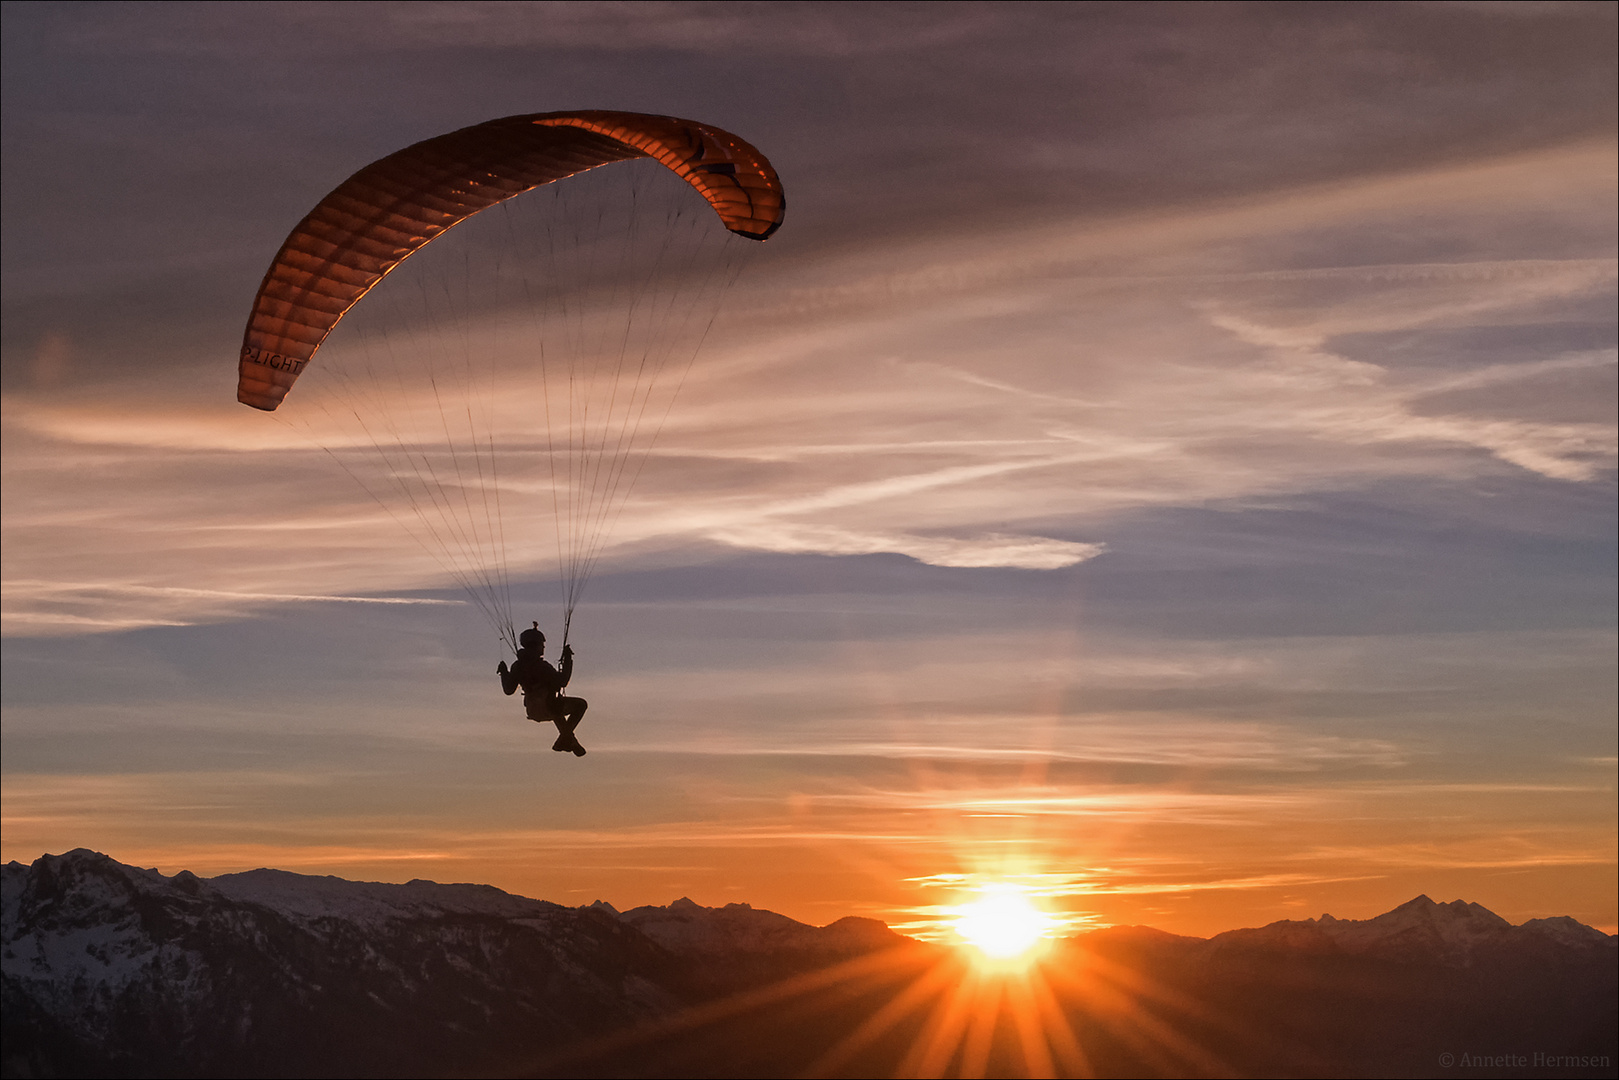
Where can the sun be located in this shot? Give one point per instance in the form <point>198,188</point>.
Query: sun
<point>1003,925</point>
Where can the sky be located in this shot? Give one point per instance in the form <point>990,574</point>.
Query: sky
<point>1165,460</point>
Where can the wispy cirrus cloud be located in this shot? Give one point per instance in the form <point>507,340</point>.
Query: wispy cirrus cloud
<point>107,606</point>
<point>1006,382</point>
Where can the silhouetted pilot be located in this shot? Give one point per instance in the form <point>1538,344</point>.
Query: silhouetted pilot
<point>542,688</point>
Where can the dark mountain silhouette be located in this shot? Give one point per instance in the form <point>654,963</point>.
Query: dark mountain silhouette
<point>110,970</point>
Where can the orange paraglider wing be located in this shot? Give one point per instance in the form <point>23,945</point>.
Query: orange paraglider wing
<point>391,208</point>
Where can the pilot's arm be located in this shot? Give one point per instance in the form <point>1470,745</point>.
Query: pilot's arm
<point>508,679</point>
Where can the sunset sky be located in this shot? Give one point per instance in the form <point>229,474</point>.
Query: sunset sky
<point>1165,459</point>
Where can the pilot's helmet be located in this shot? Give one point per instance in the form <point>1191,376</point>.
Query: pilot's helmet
<point>531,639</point>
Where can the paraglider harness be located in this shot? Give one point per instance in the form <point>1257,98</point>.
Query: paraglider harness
<point>541,683</point>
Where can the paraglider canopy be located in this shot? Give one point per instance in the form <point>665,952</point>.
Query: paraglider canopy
<point>391,208</point>
<point>530,364</point>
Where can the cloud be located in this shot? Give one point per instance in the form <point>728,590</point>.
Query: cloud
<point>44,607</point>
<point>1146,740</point>
<point>973,400</point>
<point>1020,552</point>
<point>711,29</point>
<point>213,594</point>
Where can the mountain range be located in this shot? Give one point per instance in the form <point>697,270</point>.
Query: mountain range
<point>113,970</point>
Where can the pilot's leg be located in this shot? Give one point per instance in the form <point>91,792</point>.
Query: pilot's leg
<point>572,711</point>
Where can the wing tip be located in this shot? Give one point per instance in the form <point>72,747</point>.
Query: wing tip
<point>264,396</point>
<point>761,236</point>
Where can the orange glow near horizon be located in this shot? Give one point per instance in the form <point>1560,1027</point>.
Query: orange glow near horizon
<point>940,1011</point>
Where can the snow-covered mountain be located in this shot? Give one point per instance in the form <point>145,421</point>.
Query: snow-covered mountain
<point>1455,934</point>
<point>111,966</point>
<point>109,969</point>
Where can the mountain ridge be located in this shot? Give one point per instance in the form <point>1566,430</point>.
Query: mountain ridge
<point>110,969</point>
<point>293,893</point>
